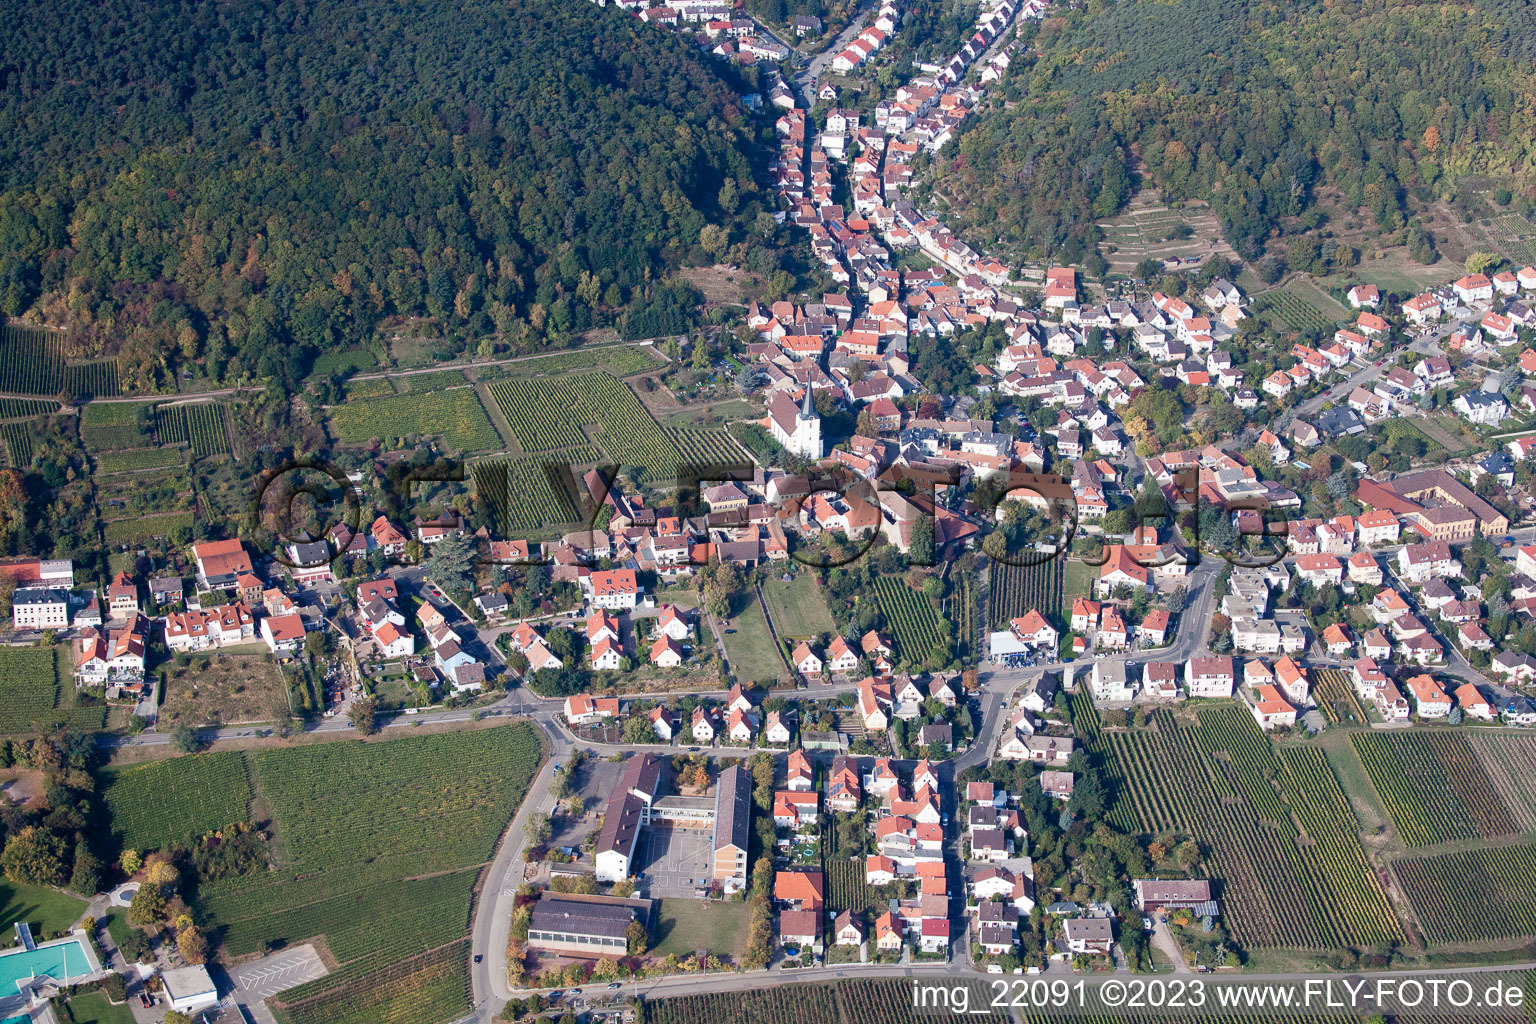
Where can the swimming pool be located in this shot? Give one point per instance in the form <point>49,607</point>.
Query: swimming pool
<point>23,1019</point>
<point>62,961</point>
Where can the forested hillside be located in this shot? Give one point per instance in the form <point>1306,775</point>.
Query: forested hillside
<point>237,186</point>
<point>1251,104</point>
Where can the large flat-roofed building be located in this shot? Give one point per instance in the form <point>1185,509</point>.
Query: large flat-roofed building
<point>586,925</point>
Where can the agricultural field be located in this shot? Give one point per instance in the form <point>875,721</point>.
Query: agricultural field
<point>619,360</point>
<point>25,408</point>
<point>96,378</point>
<point>144,528</point>
<point>1397,427</point>
<point>1281,835</point>
<point>133,459</point>
<point>111,425</point>
<point>790,1004</point>
<point>914,622</point>
<point>33,692</point>
<point>706,447</point>
<point>1509,234</point>
<point>1336,698</point>
<point>1510,762</point>
<point>454,415</point>
<point>30,361</point>
<point>154,805</point>
<point>521,495</point>
<point>433,380</point>
<point>425,989</point>
<point>377,845</point>
<point>200,425</point>
<point>684,925</point>
<point>352,360</point>
<point>372,387</point>
<point>18,443</point>
<point>1017,589</point>
<point>1298,305</point>
<point>1434,786</point>
<point>846,887</point>
<point>797,607</point>
<point>960,608</point>
<point>546,414</point>
<point>1480,895</point>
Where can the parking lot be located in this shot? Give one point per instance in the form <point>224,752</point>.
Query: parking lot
<point>674,862</point>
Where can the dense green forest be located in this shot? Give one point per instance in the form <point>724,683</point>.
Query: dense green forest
<point>1250,104</point>
<point>236,187</point>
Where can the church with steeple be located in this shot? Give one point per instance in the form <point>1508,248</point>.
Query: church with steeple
<point>797,428</point>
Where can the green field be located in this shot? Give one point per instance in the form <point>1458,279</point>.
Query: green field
<point>432,380</point>
<point>371,387</point>
<point>33,694</point>
<point>798,609</point>
<point>48,911</point>
<point>93,1008</point>
<point>377,847</point>
<point>30,361</point>
<point>141,458</point>
<point>154,805</point>
<point>144,528</point>
<point>20,408</point>
<point>619,360</point>
<point>750,647</point>
<point>1299,305</point>
<point>454,415</point>
<point>1434,786</point>
<point>18,443</point>
<point>684,925</point>
<point>1397,427</point>
<point>109,425</point>
<point>352,360</point>
<point>1016,589</point>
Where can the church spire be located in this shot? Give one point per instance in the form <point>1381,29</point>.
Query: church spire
<point>807,410</point>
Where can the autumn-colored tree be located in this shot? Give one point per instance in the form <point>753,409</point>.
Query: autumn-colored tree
<point>1432,138</point>
<point>192,944</point>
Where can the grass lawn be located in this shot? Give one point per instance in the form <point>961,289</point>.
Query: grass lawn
<point>118,927</point>
<point>750,648</point>
<point>47,911</point>
<point>797,607</point>
<point>684,925</point>
<point>93,1008</point>
<point>1077,581</point>
<point>222,687</point>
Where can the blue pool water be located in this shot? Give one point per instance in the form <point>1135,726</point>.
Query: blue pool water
<point>61,961</point>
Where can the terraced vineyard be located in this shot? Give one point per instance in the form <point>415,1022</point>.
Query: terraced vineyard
<point>547,414</point>
<point>1016,589</point>
<point>379,845</point>
<point>619,360</point>
<point>436,380</point>
<point>1292,870</point>
<point>1433,786</point>
<point>914,622</point>
<point>521,495</point>
<point>1478,895</point>
<point>454,415</point>
<point>1336,698</point>
<point>154,805</point>
<point>1510,762</point>
<point>201,426</point>
<point>792,1004</point>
